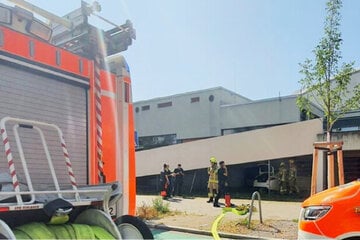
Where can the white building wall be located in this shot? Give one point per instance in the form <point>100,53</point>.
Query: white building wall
<point>284,141</point>
<point>185,118</point>
<point>258,113</point>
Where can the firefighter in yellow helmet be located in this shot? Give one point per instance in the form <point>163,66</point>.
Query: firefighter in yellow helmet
<point>213,179</point>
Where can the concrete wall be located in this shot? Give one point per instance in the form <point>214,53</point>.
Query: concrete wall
<point>265,144</point>
<point>185,118</point>
<point>355,80</point>
<point>351,139</point>
<point>269,112</point>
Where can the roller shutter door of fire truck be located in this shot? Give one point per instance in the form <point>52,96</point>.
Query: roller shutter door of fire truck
<point>43,97</point>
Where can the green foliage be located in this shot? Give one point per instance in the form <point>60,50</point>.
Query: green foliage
<point>147,212</point>
<point>325,82</point>
<point>245,222</point>
<point>160,205</point>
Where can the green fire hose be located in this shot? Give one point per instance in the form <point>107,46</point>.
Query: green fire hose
<point>36,230</point>
<point>241,210</point>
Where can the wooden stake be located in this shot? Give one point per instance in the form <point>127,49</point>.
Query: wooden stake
<point>340,166</point>
<point>331,168</point>
<point>314,171</point>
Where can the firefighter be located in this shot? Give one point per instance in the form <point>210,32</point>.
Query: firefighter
<point>166,181</point>
<point>223,183</point>
<point>283,178</point>
<point>292,177</point>
<point>179,179</point>
<point>213,179</point>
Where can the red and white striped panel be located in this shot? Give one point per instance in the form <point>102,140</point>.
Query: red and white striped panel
<point>68,164</point>
<point>98,120</point>
<point>10,160</point>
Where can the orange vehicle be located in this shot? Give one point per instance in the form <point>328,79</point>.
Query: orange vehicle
<point>332,214</point>
<point>64,82</point>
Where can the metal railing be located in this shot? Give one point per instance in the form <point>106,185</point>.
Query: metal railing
<point>104,192</point>
<point>256,193</point>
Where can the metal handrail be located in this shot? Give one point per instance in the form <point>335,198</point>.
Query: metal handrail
<point>105,190</point>
<point>106,194</point>
<point>256,193</point>
<point>30,124</point>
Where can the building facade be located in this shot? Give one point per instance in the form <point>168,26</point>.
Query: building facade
<point>183,117</point>
<point>243,133</point>
<point>209,113</point>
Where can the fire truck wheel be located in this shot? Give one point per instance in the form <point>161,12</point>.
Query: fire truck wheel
<point>131,227</point>
<point>5,231</point>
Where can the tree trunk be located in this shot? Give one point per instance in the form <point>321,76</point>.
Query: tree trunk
<point>330,163</point>
<point>328,136</point>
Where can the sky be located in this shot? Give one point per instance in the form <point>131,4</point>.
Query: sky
<point>252,47</point>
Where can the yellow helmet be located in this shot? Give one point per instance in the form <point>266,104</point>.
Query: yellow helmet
<point>213,160</point>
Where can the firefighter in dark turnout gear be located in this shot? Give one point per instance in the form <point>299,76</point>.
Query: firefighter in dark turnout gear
<point>223,183</point>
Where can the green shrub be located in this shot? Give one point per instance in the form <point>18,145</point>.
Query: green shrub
<point>147,212</point>
<point>160,205</point>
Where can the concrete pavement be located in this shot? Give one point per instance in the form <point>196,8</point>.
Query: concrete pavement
<point>270,209</point>
<point>197,216</point>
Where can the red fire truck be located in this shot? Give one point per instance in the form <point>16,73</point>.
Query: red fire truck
<point>66,121</point>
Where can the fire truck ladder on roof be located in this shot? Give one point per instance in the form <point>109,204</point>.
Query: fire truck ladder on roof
<point>92,194</point>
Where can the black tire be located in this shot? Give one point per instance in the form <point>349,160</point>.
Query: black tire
<point>131,227</point>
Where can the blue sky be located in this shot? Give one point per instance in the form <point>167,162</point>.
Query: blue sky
<point>252,47</point>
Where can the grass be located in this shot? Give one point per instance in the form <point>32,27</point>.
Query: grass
<point>160,205</point>
<point>158,209</point>
<point>147,212</point>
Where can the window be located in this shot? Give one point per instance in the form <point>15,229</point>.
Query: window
<point>1,38</point>
<point>211,98</point>
<point>195,99</point>
<point>81,66</point>
<point>127,92</point>
<point>165,104</point>
<point>145,108</point>
<point>58,57</point>
<point>31,48</point>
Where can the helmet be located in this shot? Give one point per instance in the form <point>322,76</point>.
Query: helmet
<point>282,164</point>
<point>291,161</point>
<point>213,160</point>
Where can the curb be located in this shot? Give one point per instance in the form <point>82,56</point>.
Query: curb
<point>203,232</point>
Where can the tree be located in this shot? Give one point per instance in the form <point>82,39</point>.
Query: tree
<point>325,81</point>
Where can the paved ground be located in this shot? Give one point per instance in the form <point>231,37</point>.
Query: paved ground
<point>196,214</point>
<point>270,209</point>
<point>164,234</point>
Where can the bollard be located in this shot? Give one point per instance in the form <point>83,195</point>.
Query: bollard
<point>256,193</point>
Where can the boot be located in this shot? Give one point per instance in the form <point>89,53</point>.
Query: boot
<point>211,199</point>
